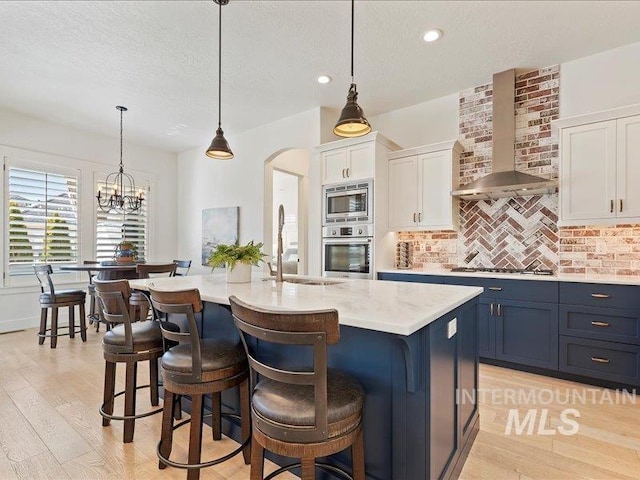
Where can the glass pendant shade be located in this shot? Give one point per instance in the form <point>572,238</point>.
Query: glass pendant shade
<point>219,148</point>
<point>352,122</point>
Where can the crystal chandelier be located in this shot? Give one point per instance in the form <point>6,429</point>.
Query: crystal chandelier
<point>120,194</point>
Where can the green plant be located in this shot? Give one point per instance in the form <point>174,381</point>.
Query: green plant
<point>250,254</point>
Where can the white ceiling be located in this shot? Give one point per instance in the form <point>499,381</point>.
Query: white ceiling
<point>72,62</point>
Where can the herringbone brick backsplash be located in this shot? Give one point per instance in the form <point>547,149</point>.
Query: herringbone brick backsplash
<point>520,232</point>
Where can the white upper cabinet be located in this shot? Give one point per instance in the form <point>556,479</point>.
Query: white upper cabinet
<point>420,184</point>
<point>600,168</point>
<point>353,159</point>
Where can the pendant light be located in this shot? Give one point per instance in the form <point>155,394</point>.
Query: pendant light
<point>219,148</point>
<point>352,122</point>
<point>123,196</point>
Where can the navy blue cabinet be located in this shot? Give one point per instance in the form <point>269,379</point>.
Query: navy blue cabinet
<point>486,329</point>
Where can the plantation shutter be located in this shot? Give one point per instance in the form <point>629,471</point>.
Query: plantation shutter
<point>112,228</point>
<point>43,219</point>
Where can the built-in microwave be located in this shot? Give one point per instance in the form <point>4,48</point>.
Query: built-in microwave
<point>348,203</point>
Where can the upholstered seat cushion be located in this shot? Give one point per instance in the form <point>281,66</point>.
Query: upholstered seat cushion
<point>220,359</point>
<point>147,333</point>
<point>63,296</point>
<point>294,405</point>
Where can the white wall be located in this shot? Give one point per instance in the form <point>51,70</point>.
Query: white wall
<point>37,140</point>
<point>599,82</point>
<point>421,124</point>
<point>206,183</point>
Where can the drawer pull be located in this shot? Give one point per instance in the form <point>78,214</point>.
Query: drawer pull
<point>600,295</point>
<point>600,324</point>
<point>495,289</point>
<point>599,360</point>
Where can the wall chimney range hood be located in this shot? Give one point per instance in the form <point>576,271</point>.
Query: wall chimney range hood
<point>504,180</point>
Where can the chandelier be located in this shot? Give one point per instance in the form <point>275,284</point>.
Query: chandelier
<point>120,194</point>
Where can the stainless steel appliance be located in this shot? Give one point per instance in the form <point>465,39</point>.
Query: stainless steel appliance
<point>347,251</point>
<point>522,271</point>
<point>347,203</point>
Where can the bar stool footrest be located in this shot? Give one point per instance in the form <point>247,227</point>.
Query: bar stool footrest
<point>64,334</point>
<point>128,417</point>
<point>325,467</point>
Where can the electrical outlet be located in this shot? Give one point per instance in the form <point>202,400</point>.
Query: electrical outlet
<point>452,327</point>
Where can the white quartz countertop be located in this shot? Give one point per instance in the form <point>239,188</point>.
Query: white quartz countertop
<point>393,307</point>
<point>565,277</point>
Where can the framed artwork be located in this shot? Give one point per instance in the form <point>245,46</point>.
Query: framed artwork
<point>219,225</point>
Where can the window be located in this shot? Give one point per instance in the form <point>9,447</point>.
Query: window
<point>42,219</point>
<point>112,228</point>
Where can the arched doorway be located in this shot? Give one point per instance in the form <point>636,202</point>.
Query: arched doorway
<point>286,181</point>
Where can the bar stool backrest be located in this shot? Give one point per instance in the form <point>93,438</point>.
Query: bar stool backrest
<point>145,270</point>
<point>187,303</point>
<point>315,329</point>
<point>184,266</point>
<point>43,273</point>
<point>113,298</point>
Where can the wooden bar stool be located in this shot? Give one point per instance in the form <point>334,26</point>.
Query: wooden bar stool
<point>138,300</point>
<point>127,342</point>
<point>184,266</point>
<point>50,299</point>
<point>91,290</point>
<point>303,413</point>
<point>197,367</point>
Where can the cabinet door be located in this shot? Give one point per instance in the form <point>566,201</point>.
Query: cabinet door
<point>334,166</point>
<point>527,333</point>
<point>588,172</point>
<point>486,329</point>
<point>434,196</point>
<point>467,369</point>
<point>628,167</point>
<point>361,162</point>
<point>443,413</point>
<point>403,192</point>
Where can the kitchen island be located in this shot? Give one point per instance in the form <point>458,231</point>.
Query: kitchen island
<point>414,348</point>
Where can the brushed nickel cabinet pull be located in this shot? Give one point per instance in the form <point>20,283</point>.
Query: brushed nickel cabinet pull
<point>347,173</point>
<point>491,310</point>
<point>419,216</point>
<point>621,205</point>
<point>499,310</point>
<point>599,360</point>
<point>600,295</point>
<point>600,324</point>
<point>414,217</point>
<point>611,209</point>
<point>495,289</point>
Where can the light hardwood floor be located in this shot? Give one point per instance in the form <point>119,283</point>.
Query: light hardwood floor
<point>50,426</point>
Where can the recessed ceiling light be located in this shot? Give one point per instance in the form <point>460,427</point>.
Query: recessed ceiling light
<point>432,35</point>
<point>323,79</point>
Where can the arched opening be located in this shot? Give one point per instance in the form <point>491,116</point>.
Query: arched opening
<point>286,181</point>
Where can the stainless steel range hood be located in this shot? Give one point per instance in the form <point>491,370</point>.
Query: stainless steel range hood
<point>504,180</point>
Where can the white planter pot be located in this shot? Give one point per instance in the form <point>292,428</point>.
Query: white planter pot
<point>241,273</point>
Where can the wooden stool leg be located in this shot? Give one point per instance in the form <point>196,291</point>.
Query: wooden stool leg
<point>245,418</point>
<point>166,435</point>
<point>72,321</point>
<point>130,400</point>
<point>257,461</point>
<point>308,469</point>
<point>357,456</point>
<point>195,436</point>
<point>216,420</point>
<point>153,381</point>
<point>83,323</point>
<point>177,407</point>
<point>109,390</point>
<point>54,327</point>
<point>43,325</point>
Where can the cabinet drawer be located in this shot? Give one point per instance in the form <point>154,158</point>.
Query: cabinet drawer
<point>601,323</point>
<point>600,295</point>
<point>410,277</point>
<point>610,361</point>
<point>498,288</point>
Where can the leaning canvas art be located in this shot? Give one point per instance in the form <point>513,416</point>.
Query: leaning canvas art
<point>219,225</point>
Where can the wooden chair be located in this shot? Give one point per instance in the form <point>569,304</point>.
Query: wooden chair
<point>197,367</point>
<point>126,342</point>
<point>305,411</point>
<point>184,266</point>
<point>144,270</point>
<point>93,315</point>
<point>50,299</point>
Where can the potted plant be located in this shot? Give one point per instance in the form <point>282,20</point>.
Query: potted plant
<point>238,260</point>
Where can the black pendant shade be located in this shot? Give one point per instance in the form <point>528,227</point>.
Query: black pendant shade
<point>352,122</point>
<point>219,148</point>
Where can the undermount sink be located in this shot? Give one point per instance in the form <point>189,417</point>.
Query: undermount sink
<point>306,281</point>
